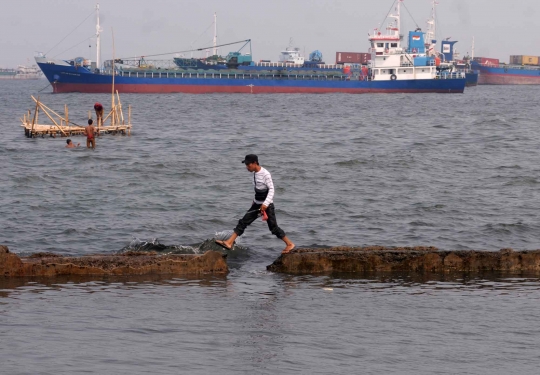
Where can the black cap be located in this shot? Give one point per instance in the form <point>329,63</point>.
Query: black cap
<point>251,158</point>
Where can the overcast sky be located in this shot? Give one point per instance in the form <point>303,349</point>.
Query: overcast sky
<point>144,27</point>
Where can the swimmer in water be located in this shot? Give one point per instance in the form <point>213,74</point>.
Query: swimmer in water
<point>263,203</point>
<point>70,144</point>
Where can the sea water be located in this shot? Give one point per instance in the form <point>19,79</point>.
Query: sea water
<point>451,171</point>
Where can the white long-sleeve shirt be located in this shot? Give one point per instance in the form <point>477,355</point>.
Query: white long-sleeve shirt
<point>262,180</point>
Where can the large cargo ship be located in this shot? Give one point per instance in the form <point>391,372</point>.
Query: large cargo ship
<point>492,72</point>
<point>392,69</point>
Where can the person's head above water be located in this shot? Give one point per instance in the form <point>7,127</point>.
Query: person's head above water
<point>252,162</point>
<point>68,141</point>
<point>90,122</point>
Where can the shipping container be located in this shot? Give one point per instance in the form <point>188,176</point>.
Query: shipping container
<point>516,59</point>
<point>524,60</point>
<point>530,60</point>
<point>352,57</point>
<point>487,61</point>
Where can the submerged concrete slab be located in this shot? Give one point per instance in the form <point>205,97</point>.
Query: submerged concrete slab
<point>405,259</point>
<point>131,263</point>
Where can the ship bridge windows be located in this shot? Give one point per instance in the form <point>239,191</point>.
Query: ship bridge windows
<point>393,45</point>
<point>380,45</point>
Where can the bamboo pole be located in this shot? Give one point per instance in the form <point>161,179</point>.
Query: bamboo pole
<point>55,123</point>
<point>117,113</point>
<point>129,119</point>
<point>113,74</point>
<point>120,107</point>
<point>50,110</point>
<point>35,113</point>
<point>110,113</point>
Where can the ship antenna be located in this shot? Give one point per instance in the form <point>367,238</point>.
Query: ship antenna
<point>398,21</point>
<point>215,34</point>
<point>98,39</point>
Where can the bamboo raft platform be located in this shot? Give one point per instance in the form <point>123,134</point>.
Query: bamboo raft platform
<point>61,126</point>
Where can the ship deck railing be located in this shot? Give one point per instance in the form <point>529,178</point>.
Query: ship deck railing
<point>453,75</point>
<point>290,65</point>
<point>325,77</point>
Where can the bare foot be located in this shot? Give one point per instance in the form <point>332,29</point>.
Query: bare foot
<point>224,244</point>
<point>290,247</point>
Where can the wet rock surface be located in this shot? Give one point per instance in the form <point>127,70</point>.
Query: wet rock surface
<point>129,263</point>
<point>403,259</point>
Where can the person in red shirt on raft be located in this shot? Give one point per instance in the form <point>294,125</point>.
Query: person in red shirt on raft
<point>99,113</point>
<point>263,204</point>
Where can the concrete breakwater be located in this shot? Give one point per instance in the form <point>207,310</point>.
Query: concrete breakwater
<point>131,263</point>
<point>405,259</point>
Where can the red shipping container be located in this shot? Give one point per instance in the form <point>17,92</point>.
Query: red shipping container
<point>352,57</point>
<point>487,61</point>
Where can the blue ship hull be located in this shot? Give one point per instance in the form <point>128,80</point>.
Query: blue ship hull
<point>507,74</point>
<point>79,79</point>
<point>472,79</point>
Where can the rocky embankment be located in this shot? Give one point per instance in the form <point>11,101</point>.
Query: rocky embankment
<point>130,263</point>
<point>406,259</point>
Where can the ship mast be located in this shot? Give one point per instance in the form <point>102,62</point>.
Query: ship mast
<point>98,39</point>
<point>215,35</point>
<point>394,27</point>
<point>398,17</point>
<point>472,51</point>
<point>430,40</point>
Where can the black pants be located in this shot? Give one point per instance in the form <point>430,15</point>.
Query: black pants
<point>253,213</point>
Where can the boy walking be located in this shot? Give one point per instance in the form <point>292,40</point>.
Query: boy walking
<point>263,203</point>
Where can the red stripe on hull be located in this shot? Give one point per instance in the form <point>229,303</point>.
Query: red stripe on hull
<point>507,79</point>
<point>207,89</point>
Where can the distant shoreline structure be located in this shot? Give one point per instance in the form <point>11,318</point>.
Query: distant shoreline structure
<point>22,73</point>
